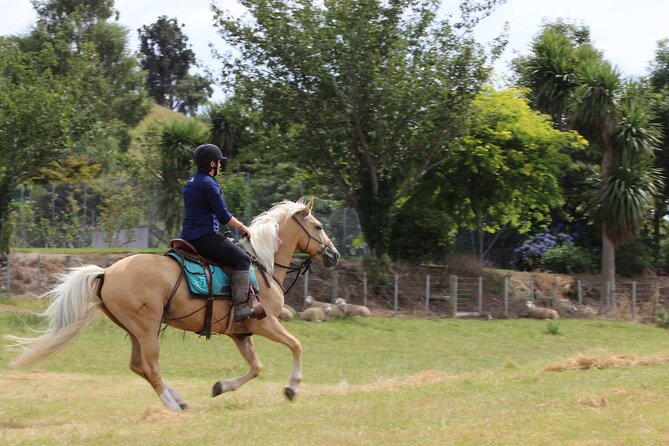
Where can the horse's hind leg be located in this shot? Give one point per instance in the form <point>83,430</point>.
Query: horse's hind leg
<point>248,351</point>
<point>272,329</point>
<point>149,349</point>
<point>144,361</point>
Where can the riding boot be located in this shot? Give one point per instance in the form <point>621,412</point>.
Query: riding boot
<point>240,295</point>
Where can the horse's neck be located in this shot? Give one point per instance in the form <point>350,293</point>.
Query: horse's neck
<point>283,256</point>
<point>286,249</point>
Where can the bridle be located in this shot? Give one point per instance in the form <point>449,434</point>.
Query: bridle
<point>306,264</point>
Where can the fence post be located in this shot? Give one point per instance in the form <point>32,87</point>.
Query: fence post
<point>38,274</point>
<point>364,289</point>
<point>554,299</point>
<point>453,298</point>
<point>306,284</point>
<point>396,293</point>
<point>656,299</point>
<point>633,301</point>
<point>8,275</point>
<point>579,292</point>
<point>532,287</point>
<point>427,293</point>
<point>335,285</point>
<point>480,295</point>
<point>607,300</point>
<point>506,296</point>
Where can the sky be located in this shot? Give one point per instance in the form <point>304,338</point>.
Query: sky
<point>626,31</point>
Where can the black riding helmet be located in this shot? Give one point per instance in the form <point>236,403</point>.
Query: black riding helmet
<point>205,153</point>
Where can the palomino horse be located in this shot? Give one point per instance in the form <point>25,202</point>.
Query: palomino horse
<point>135,293</point>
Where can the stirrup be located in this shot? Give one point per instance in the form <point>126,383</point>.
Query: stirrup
<point>255,311</point>
<point>243,312</point>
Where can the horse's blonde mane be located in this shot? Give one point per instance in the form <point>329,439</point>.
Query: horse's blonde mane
<point>265,228</point>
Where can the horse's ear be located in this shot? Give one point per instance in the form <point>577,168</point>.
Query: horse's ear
<point>300,200</point>
<point>307,209</point>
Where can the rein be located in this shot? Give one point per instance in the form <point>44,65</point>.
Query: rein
<point>305,265</point>
<point>301,269</point>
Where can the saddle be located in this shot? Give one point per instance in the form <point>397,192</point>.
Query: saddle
<point>186,254</point>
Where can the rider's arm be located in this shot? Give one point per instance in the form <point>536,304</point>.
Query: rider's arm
<point>220,209</point>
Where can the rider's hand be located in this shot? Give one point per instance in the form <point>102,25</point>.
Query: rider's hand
<point>246,232</point>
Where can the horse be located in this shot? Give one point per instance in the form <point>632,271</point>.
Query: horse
<point>142,292</point>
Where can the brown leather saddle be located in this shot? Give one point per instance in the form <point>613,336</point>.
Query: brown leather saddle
<point>186,251</point>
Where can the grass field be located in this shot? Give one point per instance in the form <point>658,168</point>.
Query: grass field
<point>374,381</point>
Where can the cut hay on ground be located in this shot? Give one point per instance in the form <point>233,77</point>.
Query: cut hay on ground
<point>580,362</point>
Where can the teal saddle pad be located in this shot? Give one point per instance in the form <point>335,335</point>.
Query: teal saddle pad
<point>197,279</point>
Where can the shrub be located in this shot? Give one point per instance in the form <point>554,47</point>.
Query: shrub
<point>662,318</point>
<point>553,328</point>
<point>568,259</point>
<point>633,257</point>
<point>530,254</point>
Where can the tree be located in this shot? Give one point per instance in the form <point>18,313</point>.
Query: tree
<point>167,59</point>
<point>612,115</point>
<point>31,96</point>
<point>175,141</point>
<point>69,87</point>
<point>364,93</point>
<point>82,26</point>
<point>504,171</point>
<point>658,80</point>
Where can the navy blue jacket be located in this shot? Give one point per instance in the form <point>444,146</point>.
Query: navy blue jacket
<point>205,208</point>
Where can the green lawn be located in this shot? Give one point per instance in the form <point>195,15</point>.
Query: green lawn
<point>373,381</point>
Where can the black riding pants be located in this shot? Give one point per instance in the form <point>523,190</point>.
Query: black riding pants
<point>223,250</point>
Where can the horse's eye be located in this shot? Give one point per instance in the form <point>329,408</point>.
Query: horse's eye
<point>319,227</point>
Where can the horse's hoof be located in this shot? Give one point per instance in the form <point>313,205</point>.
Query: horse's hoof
<point>183,406</point>
<point>217,389</point>
<point>289,392</point>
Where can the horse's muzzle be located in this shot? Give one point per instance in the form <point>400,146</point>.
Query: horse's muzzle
<point>330,256</point>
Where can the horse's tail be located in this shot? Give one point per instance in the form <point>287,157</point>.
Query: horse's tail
<point>73,304</point>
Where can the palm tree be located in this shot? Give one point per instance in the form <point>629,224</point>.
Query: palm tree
<point>177,139</point>
<point>570,81</point>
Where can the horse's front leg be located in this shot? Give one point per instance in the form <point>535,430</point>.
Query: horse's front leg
<point>272,329</point>
<point>248,351</point>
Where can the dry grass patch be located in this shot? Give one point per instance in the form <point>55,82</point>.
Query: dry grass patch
<point>580,362</point>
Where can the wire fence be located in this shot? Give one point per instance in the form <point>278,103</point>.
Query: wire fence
<point>430,292</point>
<point>78,215</point>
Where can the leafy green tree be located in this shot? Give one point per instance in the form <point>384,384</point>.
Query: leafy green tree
<point>80,26</point>
<point>504,171</point>
<point>612,115</point>
<point>31,95</point>
<point>167,59</point>
<point>366,94</point>
<point>229,125</point>
<point>121,208</point>
<point>69,88</point>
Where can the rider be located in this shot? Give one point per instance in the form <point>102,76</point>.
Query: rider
<point>205,212</point>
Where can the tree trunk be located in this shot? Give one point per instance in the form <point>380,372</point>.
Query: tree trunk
<point>374,216</point>
<point>608,266</point>
<point>479,239</point>
<point>608,272</point>
<point>5,227</point>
